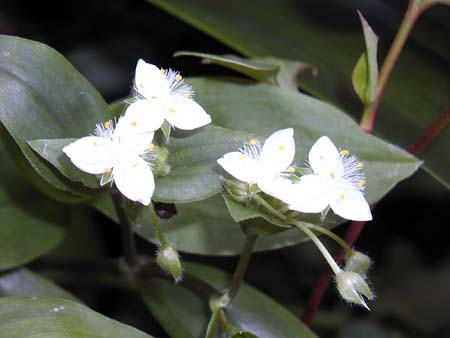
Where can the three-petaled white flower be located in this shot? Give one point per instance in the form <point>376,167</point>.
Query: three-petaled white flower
<point>121,154</point>
<point>336,181</point>
<point>266,165</point>
<point>164,95</point>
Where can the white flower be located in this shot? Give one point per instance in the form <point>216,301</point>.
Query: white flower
<point>121,155</point>
<point>267,165</point>
<point>163,95</point>
<point>336,181</point>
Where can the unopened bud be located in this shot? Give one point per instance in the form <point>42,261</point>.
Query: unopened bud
<point>352,287</point>
<point>240,191</point>
<point>169,260</point>
<point>160,162</point>
<point>358,262</point>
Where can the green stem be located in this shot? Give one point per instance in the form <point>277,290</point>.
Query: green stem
<point>157,224</point>
<point>238,274</point>
<point>261,201</point>
<point>212,325</point>
<point>333,236</point>
<point>128,242</point>
<point>318,243</point>
<point>415,8</point>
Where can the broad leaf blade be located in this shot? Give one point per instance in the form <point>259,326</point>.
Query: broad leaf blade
<point>30,226</point>
<point>26,283</point>
<point>43,96</point>
<point>184,314</point>
<point>413,99</point>
<point>57,318</point>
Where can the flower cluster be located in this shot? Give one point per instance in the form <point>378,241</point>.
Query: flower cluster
<point>335,180</point>
<point>123,153</point>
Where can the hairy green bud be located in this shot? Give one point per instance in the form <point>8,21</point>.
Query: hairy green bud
<point>352,287</point>
<point>358,262</point>
<point>169,260</point>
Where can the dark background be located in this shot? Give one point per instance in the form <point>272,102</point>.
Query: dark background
<point>407,238</point>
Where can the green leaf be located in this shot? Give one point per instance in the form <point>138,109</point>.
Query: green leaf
<point>184,314</point>
<point>24,282</point>
<point>244,335</point>
<point>30,226</point>
<point>57,318</point>
<point>365,73</point>
<point>283,73</point>
<point>44,97</point>
<point>51,150</point>
<point>254,69</point>
<point>238,106</point>
<point>417,91</point>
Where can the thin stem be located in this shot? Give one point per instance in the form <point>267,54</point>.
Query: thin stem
<point>440,123</point>
<point>323,250</point>
<point>212,325</point>
<point>412,14</point>
<point>332,235</point>
<point>128,243</point>
<point>157,224</point>
<point>350,238</point>
<point>238,274</point>
<point>258,199</point>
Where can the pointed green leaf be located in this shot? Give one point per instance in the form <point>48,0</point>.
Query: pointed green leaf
<point>44,97</point>
<point>365,73</point>
<point>26,283</point>
<point>57,318</point>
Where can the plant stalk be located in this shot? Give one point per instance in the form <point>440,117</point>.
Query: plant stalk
<point>157,224</point>
<point>412,14</point>
<point>241,268</point>
<point>128,242</point>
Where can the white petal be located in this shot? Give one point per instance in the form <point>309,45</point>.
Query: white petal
<point>350,203</point>
<point>277,187</point>
<point>279,150</point>
<point>240,166</point>
<point>148,115</point>
<point>150,81</point>
<point>310,195</point>
<point>132,132</point>
<point>92,154</point>
<point>324,158</point>
<point>185,113</point>
<point>134,179</point>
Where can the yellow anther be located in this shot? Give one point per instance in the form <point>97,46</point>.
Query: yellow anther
<point>360,165</point>
<point>95,142</point>
<point>333,176</point>
<point>251,184</point>
<point>134,123</point>
<point>154,97</point>
<point>341,196</point>
<point>106,124</point>
<point>178,77</point>
<point>187,95</point>
<point>362,184</point>
<point>291,169</point>
<point>172,110</point>
<point>242,158</point>
<point>107,170</point>
<point>282,148</point>
<point>162,71</point>
<point>345,152</point>
<point>320,158</point>
<point>151,147</point>
<point>253,141</point>
<point>135,165</point>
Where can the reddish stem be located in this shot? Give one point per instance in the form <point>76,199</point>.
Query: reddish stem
<point>436,127</point>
